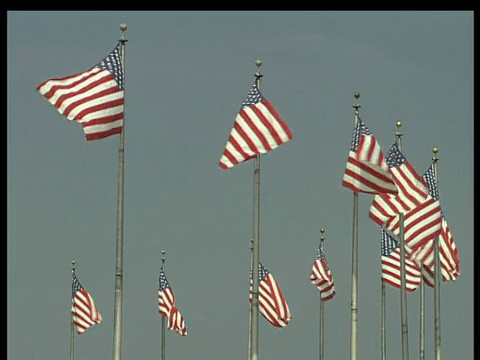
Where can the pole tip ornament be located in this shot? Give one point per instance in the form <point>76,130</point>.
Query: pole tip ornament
<point>123,27</point>
<point>322,230</point>
<point>258,63</point>
<point>73,262</point>
<point>399,124</point>
<point>163,252</point>
<point>435,150</point>
<point>356,94</point>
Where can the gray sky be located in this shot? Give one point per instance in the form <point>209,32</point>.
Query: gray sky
<point>187,74</point>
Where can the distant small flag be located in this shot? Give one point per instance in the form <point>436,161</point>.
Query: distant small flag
<point>257,129</point>
<point>366,170</point>
<point>94,98</point>
<point>167,306</point>
<point>272,303</point>
<point>391,264</point>
<point>84,311</point>
<point>321,276</point>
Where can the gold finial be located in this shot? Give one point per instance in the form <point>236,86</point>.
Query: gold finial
<point>322,230</point>
<point>73,262</point>
<point>123,27</point>
<point>356,106</point>
<point>163,252</point>
<point>356,95</point>
<point>435,150</point>
<point>259,63</point>
<point>399,124</point>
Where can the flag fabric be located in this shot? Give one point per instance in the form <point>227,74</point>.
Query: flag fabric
<point>448,252</point>
<point>84,311</point>
<point>321,276</point>
<point>366,170</point>
<point>422,213</point>
<point>258,128</point>
<point>94,98</point>
<point>272,303</point>
<point>167,306</point>
<point>391,264</point>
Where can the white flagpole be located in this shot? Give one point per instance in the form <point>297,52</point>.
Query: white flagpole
<point>163,317</point>
<point>437,273</point>
<point>321,342</point>
<point>117,321</point>
<point>72,325</point>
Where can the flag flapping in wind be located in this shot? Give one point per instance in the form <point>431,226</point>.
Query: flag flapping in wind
<point>94,98</point>
<point>258,128</point>
<point>167,306</point>
<point>366,170</point>
<point>321,276</point>
<point>422,213</point>
<point>391,264</point>
<point>272,303</point>
<point>84,311</point>
<point>448,252</point>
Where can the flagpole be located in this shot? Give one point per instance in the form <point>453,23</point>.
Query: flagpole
<point>256,240</point>
<point>117,321</point>
<point>163,317</point>
<point>72,325</point>
<point>354,309</point>
<point>403,288</point>
<point>383,319</point>
<point>437,273</point>
<point>321,312</point>
<point>422,318</point>
<point>250,304</point>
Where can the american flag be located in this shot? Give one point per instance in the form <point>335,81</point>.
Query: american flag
<point>167,306</point>
<point>422,213</point>
<point>84,311</point>
<point>272,303</point>
<point>366,170</point>
<point>321,276</point>
<point>257,129</point>
<point>448,252</point>
<point>94,98</point>
<point>391,264</point>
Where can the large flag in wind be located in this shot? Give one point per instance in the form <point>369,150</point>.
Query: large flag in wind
<point>366,170</point>
<point>94,98</point>
<point>167,306</point>
<point>84,311</point>
<point>321,276</point>
<point>257,129</point>
<point>272,303</point>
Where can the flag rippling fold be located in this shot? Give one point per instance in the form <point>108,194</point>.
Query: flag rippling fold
<point>321,276</point>
<point>258,128</point>
<point>84,311</point>
<point>167,306</point>
<point>422,213</point>
<point>366,170</point>
<point>391,264</point>
<point>94,98</point>
<point>272,303</point>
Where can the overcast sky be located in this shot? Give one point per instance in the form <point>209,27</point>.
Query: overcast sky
<point>186,75</point>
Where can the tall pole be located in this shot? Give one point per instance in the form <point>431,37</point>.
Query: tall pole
<point>163,317</point>
<point>321,342</point>
<point>422,319</point>
<point>403,287</point>
<point>72,325</point>
<point>383,321</point>
<point>117,319</point>
<point>354,308</point>
<point>256,241</point>
<point>250,304</point>
<point>437,273</point>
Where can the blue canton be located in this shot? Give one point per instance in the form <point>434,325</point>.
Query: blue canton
<point>75,286</point>
<point>360,129</point>
<point>395,157</point>
<point>388,243</point>
<point>113,64</point>
<point>262,272</point>
<point>163,281</point>
<point>432,185</point>
<point>253,96</point>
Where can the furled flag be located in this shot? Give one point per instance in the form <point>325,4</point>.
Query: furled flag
<point>272,303</point>
<point>257,129</point>
<point>366,170</point>
<point>321,276</point>
<point>94,98</point>
<point>391,264</point>
<point>84,311</point>
<point>422,213</point>
<point>167,306</point>
<point>448,252</point>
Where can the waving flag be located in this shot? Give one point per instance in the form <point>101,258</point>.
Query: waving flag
<point>391,264</point>
<point>422,213</point>
<point>272,303</point>
<point>366,169</point>
<point>94,98</point>
<point>84,311</point>
<point>257,129</point>
<point>168,308</point>
<point>321,276</point>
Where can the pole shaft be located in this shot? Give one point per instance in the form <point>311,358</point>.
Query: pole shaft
<point>383,322</point>
<point>438,274</point>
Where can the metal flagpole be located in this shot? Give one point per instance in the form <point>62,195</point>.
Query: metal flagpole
<point>403,287</point>
<point>422,318</point>
<point>354,309</point>
<point>163,317</point>
<point>250,304</point>
<point>321,313</point>
<point>72,325</point>
<point>383,320</point>
<point>256,241</point>
<point>437,273</point>
<point>117,321</point>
